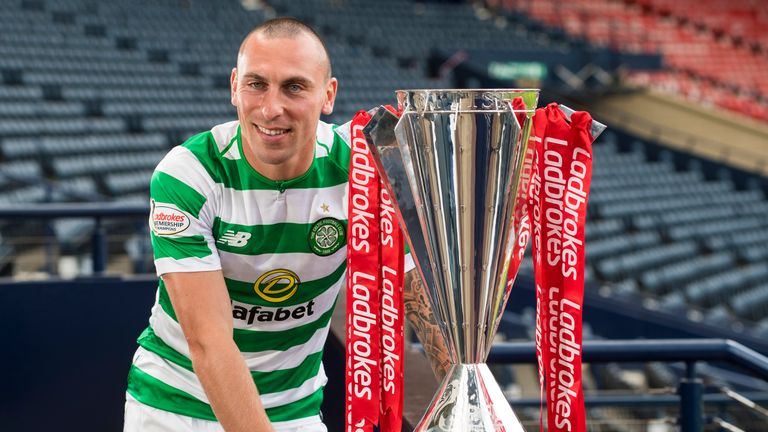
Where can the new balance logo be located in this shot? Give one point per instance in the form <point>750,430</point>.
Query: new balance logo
<point>235,239</point>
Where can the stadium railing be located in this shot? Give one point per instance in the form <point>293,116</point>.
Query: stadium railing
<point>690,392</point>
<point>98,211</point>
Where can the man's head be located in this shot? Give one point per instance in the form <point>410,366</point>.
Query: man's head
<point>281,85</point>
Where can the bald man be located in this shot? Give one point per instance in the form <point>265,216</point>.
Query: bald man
<point>247,285</point>
<point>248,231</point>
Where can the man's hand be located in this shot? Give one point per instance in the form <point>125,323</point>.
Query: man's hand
<point>419,313</point>
<point>204,311</point>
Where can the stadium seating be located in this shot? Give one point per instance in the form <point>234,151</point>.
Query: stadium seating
<point>93,100</point>
<point>700,65</point>
<point>667,230</point>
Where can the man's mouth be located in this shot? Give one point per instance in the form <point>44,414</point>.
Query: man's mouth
<point>272,132</point>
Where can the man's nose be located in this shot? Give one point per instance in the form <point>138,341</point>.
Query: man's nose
<point>271,105</point>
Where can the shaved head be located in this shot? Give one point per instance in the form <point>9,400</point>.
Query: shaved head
<point>281,86</point>
<point>285,28</point>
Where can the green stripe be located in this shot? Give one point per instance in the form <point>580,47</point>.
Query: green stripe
<point>155,393</point>
<point>193,246</point>
<point>239,175</point>
<point>165,300</point>
<point>267,239</point>
<point>327,172</point>
<point>286,379</point>
<point>266,382</point>
<point>308,290</point>
<point>165,188</point>
<point>152,342</point>
<point>255,341</point>
<point>307,407</point>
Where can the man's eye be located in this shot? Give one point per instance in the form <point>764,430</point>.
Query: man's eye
<point>294,88</point>
<point>256,85</point>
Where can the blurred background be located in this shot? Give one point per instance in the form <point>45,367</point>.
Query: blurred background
<point>94,93</point>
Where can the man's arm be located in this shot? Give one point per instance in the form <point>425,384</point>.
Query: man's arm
<point>419,313</point>
<point>204,311</point>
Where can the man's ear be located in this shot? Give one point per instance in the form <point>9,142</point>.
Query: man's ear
<point>330,96</point>
<point>233,87</point>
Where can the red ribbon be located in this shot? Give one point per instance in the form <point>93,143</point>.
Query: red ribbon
<point>374,339</point>
<point>362,339</point>
<point>521,215</point>
<point>534,204</point>
<point>556,177</point>
<point>564,162</point>
<point>392,317</point>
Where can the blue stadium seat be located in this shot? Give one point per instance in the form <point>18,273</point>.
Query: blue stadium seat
<point>667,277</point>
<point>721,287</point>
<point>627,264</point>
<point>753,303</point>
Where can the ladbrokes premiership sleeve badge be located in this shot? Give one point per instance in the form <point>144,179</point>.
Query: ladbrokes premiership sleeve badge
<point>166,219</point>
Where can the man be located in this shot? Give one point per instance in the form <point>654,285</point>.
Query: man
<point>247,289</point>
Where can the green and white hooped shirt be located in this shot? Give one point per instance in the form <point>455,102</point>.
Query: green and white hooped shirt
<point>282,248</point>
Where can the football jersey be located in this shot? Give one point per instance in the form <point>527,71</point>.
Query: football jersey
<point>281,246</point>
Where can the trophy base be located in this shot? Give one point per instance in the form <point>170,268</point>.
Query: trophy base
<point>469,400</point>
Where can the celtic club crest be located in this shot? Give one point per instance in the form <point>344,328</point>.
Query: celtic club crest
<point>327,236</point>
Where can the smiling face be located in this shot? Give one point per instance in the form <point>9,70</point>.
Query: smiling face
<point>280,87</point>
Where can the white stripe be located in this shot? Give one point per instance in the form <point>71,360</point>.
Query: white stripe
<point>144,418</point>
<point>233,153</point>
<point>186,381</point>
<point>268,361</point>
<point>306,424</point>
<point>224,133</point>
<point>309,386</point>
<point>320,151</point>
<point>183,165</point>
<point>308,266</point>
<point>408,263</point>
<point>325,134</point>
<point>169,373</point>
<point>169,331</point>
<point>266,207</point>
<point>320,305</point>
<point>186,265</point>
<point>345,133</point>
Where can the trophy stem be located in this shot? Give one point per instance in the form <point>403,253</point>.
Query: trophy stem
<point>469,400</point>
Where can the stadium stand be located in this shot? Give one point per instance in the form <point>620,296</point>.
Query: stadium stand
<point>713,51</point>
<point>92,100</point>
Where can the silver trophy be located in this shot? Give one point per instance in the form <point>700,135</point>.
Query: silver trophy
<point>454,162</point>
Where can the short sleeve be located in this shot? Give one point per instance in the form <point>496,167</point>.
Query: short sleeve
<point>181,216</point>
<point>408,263</point>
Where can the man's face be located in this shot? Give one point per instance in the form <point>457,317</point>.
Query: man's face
<point>280,87</point>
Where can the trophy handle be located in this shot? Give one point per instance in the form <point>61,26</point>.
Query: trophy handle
<point>596,129</point>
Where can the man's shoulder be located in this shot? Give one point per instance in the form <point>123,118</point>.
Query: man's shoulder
<point>333,141</point>
<point>202,152</point>
<point>220,140</point>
